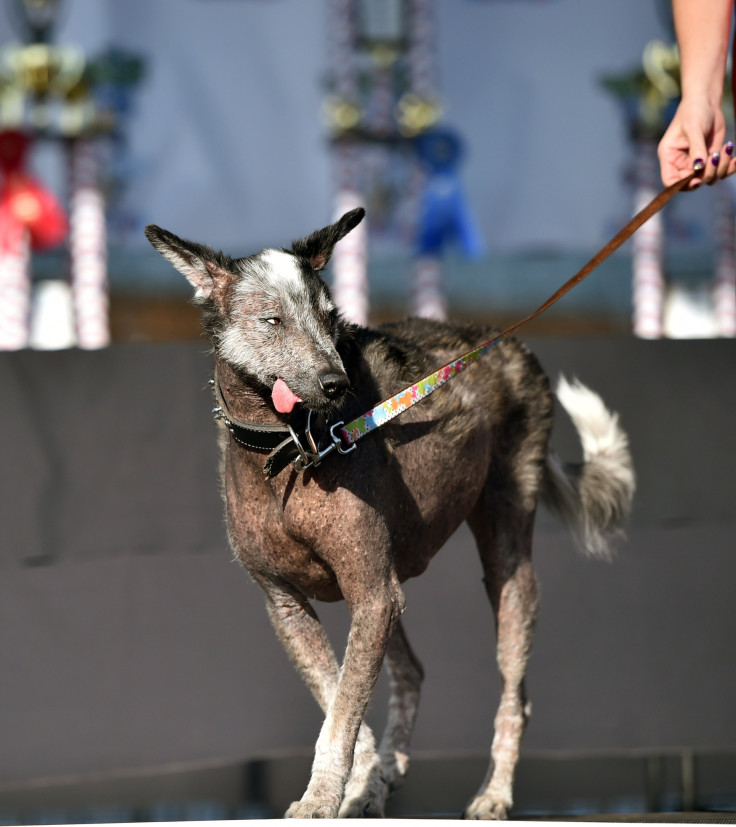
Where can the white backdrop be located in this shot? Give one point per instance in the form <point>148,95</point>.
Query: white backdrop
<point>229,146</point>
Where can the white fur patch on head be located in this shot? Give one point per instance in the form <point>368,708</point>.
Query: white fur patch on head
<point>282,268</point>
<point>275,284</point>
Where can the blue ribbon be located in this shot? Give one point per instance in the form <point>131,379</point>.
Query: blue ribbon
<point>445,217</point>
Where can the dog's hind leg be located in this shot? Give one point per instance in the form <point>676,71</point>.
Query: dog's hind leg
<point>406,675</point>
<point>504,536</point>
<point>305,641</point>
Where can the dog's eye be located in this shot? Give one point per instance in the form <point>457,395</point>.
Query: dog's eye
<point>274,321</point>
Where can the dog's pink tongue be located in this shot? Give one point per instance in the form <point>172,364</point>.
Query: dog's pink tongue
<point>283,397</point>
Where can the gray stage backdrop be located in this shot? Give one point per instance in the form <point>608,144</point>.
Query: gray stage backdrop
<point>128,638</point>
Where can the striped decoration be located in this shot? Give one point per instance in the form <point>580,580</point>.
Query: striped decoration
<point>88,246</point>
<point>350,258</point>
<point>15,288</point>
<point>427,294</point>
<point>648,257</point>
<point>427,298</point>
<point>724,291</point>
<point>422,60</point>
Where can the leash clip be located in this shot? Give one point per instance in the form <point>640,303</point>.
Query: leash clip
<point>312,457</point>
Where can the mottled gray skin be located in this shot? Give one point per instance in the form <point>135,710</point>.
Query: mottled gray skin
<point>359,525</point>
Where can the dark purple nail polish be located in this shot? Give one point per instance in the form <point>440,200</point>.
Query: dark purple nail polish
<point>715,159</point>
<point>729,148</point>
<point>698,165</point>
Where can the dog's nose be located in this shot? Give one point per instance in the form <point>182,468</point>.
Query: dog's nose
<point>334,384</point>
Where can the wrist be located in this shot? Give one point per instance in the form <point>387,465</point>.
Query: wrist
<point>702,96</point>
<point>700,108</point>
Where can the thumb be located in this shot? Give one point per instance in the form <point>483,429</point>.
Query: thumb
<point>698,155</point>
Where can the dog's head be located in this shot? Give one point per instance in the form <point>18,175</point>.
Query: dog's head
<point>270,315</point>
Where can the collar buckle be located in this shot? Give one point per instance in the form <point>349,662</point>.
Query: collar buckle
<point>311,457</point>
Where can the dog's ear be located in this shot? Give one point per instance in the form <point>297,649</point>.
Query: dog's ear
<point>208,271</point>
<point>317,247</point>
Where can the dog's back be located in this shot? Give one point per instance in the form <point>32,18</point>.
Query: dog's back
<point>432,463</point>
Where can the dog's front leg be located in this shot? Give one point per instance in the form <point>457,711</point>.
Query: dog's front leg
<point>373,613</point>
<point>305,641</point>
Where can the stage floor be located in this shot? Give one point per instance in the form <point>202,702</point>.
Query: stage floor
<point>653,788</point>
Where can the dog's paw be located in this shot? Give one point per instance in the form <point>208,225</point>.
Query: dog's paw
<point>360,808</point>
<point>395,765</point>
<point>313,808</point>
<point>366,790</point>
<point>486,809</point>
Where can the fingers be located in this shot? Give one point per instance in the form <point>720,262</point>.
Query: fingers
<point>723,162</point>
<point>719,165</point>
<point>699,159</point>
<point>695,141</point>
<point>676,163</point>
<point>682,150</point>
<point>700,167</point>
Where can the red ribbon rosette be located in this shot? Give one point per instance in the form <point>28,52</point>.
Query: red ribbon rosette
<point>25,204</point>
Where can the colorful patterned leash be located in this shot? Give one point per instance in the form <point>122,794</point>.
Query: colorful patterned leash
<point>346,436</point>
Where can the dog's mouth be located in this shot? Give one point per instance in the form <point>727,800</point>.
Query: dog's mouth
<point>283,397</point>
<point>285,400</point>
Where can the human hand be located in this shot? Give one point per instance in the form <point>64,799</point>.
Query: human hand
<point>695,140</point>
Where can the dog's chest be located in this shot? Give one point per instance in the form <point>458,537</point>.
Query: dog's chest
<point>267,524</point>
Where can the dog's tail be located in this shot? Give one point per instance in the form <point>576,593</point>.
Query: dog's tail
<point>592,498</point>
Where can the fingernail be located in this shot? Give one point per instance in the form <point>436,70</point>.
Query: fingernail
<point>698,165</point>
<point>695,184</point>
<point>715,159</point>
<point>729,148</point>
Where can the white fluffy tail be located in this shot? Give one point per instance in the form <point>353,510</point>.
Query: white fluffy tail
<point>592,498</point>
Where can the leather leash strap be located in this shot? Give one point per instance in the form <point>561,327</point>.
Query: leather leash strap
<point>283,443</point>
<point>394,405</point>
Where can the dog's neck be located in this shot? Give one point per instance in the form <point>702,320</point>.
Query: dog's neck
<point>243,400</point>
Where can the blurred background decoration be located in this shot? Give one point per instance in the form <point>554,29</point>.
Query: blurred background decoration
<point>212,119</point>
<point>388,155</point>
<point>56,94</point>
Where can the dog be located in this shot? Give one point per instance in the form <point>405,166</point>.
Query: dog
<point>355,527</point>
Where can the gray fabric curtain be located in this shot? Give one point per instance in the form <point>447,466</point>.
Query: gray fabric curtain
<point>141,643</point>
<point>107,452</point>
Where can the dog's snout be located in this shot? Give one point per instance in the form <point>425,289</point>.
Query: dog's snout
<point>334,384</point>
